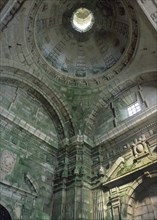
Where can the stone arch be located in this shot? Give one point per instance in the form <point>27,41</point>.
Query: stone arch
<point>52,102</point>
<point>4,213</point>
<point>134,194</point>
<point>112,92</point>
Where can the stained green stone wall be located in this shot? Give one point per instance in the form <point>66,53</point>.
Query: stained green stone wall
<point>27,159</point>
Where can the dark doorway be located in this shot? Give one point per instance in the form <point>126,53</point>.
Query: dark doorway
<point>4,214</point>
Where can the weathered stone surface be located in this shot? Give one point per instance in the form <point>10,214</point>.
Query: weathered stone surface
<point>69,147</point>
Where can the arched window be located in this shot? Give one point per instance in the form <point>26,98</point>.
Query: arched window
<point>4,214</point>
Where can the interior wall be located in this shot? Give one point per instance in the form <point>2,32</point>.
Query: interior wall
<point>68,148</point>
<point>116,111</point>
<point>27,159</point>
<point>27,107</point>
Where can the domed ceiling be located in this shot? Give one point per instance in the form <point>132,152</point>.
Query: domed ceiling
<point>82,39</point>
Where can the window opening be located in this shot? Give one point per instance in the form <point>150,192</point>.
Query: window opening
<point>133,109</point>
<point>82,20</point>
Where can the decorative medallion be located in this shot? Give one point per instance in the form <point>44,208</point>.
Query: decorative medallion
<point>140,147</point>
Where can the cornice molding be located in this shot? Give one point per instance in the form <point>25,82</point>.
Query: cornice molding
<point>127,126</point>
<point>9,11</point>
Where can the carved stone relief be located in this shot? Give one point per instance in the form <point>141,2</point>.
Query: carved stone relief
<point>140,147</point>
<point>7,163</point>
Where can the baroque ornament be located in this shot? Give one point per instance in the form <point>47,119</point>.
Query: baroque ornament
<point>140,147</point>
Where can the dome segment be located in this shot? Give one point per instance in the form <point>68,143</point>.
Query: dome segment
<point>82,41</point>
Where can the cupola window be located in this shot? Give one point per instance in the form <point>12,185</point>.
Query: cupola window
<point>82,20</point>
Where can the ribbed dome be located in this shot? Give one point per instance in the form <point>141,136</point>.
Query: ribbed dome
<point>79,52</point>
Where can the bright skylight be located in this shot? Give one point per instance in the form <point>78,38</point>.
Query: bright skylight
<point>82,20</point>
<point>133,109</point>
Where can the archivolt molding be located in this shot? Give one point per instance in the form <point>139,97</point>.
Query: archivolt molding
<point>142,182</point>
<point>48,98</point>
<point>139,182</point>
